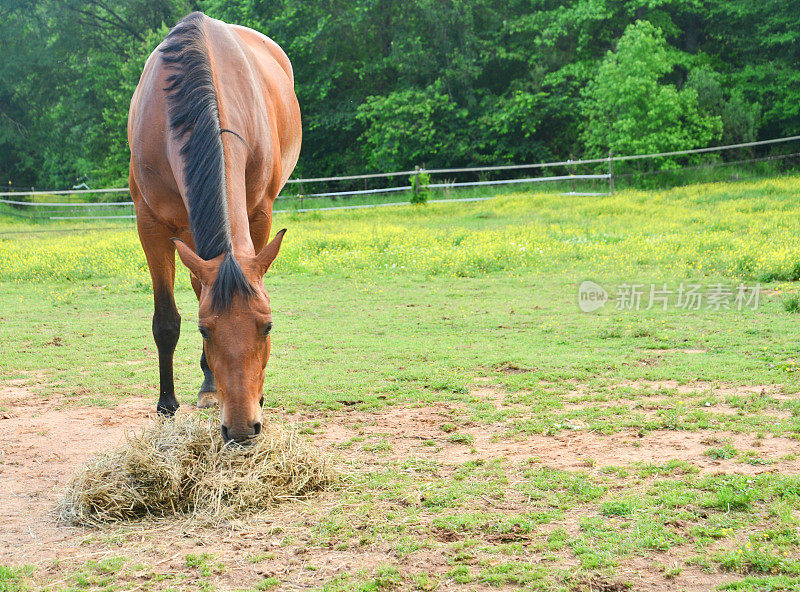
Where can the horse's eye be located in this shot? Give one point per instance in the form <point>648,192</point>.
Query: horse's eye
<point>267,329</point>
<point>203,332</point>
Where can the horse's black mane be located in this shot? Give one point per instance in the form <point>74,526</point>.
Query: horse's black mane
<point>194,115</point>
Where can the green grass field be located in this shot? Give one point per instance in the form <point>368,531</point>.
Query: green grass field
<point>681,425</point>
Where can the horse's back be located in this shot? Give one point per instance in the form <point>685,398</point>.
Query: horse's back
<point>254,85</point>
<point>279,84</point>
<point>277,119</point>
<point>260,44</point>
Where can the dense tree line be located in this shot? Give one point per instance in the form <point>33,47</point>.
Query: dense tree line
<point>386,85</point>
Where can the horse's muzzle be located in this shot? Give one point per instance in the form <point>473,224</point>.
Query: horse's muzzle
<point>241,436</point>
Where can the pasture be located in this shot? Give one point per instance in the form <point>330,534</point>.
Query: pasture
<point>492,435</point>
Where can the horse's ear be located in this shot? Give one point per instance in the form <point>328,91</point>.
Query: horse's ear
<point>267,255</point>
<point>202,269</point>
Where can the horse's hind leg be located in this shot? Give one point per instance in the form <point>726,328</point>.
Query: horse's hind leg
<point>207,397</point>
<point>160,253</point>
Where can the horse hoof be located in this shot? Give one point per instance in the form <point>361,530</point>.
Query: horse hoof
<point>206,400</point>
<point>166,412</point>
<point>167,409</point>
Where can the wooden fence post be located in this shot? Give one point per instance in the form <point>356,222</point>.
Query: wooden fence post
<point>611,172</point>
<point>415,182</point>
<point>301,195</point>
<point>571,170</point>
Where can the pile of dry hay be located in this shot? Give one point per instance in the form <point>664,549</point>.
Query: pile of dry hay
<point>181,466</point>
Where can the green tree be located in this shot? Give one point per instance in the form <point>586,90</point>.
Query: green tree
<point>392,84</point>
<point>740,118</point>
<point>756,46</point>
<point>69,68</point>
<point>630,110</point>
<point>28,72</point>
<point>410,127</point>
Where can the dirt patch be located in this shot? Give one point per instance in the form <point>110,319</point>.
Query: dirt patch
<point>646,574</point>
<point>497,397</point>
<point>700,387</point>
<point>600,585</point>
<point>42,443</point>
<point>650,406</point>
<point>40,447</point>
<point>418,432</point>
<point>511,368</point>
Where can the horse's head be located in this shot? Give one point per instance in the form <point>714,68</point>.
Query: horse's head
<point>235,321</point>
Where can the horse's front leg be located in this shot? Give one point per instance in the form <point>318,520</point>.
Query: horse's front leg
<point>166,331</point>
<point>160,253</point>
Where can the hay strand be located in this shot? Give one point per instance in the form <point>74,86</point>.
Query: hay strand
<point>182,467</point>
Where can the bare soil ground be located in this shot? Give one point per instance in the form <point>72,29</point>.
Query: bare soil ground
<point>44,440</point>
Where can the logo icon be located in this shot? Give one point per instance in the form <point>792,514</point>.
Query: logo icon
<point>591,296</point>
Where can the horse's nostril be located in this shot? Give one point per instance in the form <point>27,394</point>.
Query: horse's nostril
<point>225,436</point>
<point>257,428</point>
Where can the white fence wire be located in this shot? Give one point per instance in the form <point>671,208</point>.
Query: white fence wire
<point>6,197</point>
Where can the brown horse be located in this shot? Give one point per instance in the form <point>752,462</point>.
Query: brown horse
<point>214,131</point>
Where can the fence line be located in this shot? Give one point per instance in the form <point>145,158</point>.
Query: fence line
<point>713,165</point>
<point>65,191</point>
<point>446,185</point>
<point>609,177</point>
<point>612,158</point>
<point>704,150</point>
<point>506,167</point>
<point>380,205</point>
<point>356,192</point>
<point>511,181</point>
<point>66,204</point>
<point>350,177</point>
<point>125,217</point>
